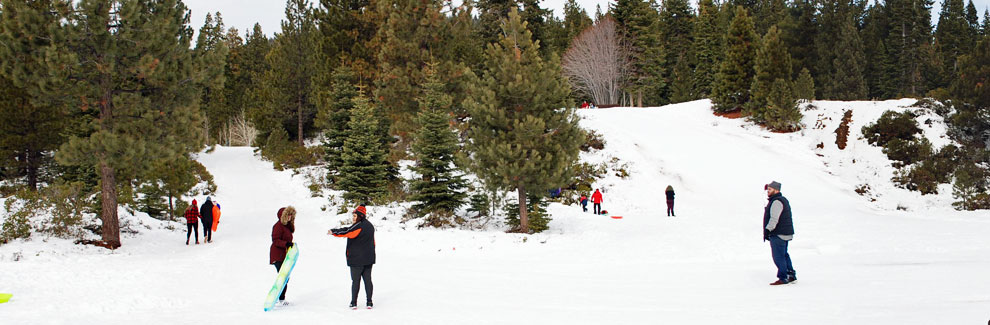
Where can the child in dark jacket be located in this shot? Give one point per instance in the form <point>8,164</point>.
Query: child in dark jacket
<point>191,218</point>
<point>281,241</point>
<point>360,253</point>
<point>670,201</point>
<point>584,203</point>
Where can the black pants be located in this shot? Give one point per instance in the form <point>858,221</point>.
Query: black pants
<point>598,208</point>
<point>190,228</point>
<point>207,229</point>
<point>670,207</point>
<point>278,267</point>
<point>357,273</point>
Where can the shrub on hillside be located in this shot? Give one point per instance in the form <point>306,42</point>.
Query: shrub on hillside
<point>890,126</point>
<point>592,140</point>
<point>906,152</point>
<point>971,187</point>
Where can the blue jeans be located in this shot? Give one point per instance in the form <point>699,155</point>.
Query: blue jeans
<point>778,247</point>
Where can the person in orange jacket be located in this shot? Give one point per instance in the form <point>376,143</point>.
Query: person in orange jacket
<point>360,253</point>
<point>216,216</point>
<point>597,200</point>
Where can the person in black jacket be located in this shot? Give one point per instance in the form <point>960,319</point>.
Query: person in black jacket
<point>360,253</point>
<point>206,216</point>
<point>670,201</point>
<point>778,228</point>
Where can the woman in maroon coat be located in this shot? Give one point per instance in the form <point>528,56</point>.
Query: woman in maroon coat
<point>281,241</point>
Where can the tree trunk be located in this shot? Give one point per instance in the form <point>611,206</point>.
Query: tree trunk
<point>300,115</point>
<point>108,189</point>
<point>523,216</point>
<point>31,159</point>
<point>171,208</point>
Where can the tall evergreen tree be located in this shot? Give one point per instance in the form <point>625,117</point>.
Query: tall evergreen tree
<point>846,81</point>
<point>576,19</point>
<point>440,189</point>
<point>676,32</point>
<point>707,48</point>
<point>409,36</point>
<point>133,70</point>
<point>31,121</point>
<point>953,36</point>
<point>985,28</point>
<point>972,16</point>
<point>334,107</point>
<point>735,76</point>
<point>491,13</point>
<point>349,36</point>
<point>638,22</point>
<point>289,104</point>
<point>773,69</point>
<point>911,32</point>
<point>768,13</point>
<point>972,90</point>
<point>681,85</point>
<point>364,169</point>
<point>799,31</point>
<point>523,137</point>
<point>210,56</point>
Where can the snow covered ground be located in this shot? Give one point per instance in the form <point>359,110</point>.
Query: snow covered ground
<point>858,261</point>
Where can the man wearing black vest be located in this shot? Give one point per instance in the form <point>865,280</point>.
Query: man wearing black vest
<point>778,228</point>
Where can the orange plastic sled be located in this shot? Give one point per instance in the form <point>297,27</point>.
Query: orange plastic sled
<point>616,217</point>
<point>216,215</point>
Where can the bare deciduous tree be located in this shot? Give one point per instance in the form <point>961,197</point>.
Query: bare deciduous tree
<point>597,62</point>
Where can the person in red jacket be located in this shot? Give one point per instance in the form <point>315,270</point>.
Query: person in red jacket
<point>360,253</point>
<point>281,241</point>
<point>192,216</point>
<point>597,200</point>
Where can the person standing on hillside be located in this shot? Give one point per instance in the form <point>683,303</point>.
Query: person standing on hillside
<point>192,216</point>
<point>597,200</point>
<point>778,228</point>
<point>584,203</point>
<point>285,225</point>
<point>670,201</point>
<point>206,217</point>
<point>360,253</point>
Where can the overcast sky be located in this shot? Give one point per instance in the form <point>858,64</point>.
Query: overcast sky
<point>242,14</point>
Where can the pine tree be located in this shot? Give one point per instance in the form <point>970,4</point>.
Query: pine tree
<point>972,16</point>
<point>439,190</point>
<point>846,81</point>
<point>799,31</point>
<point>491,13</point>
<point>773,71</point>
<point>364,170</point>
<point>735,76</point>
<point>839,51</point>
<point>349,36</point>
<point>911,31</point>
<point>953,37</point>
<point>333,113</point>
<point>681,85</point>
<point>210,56</point>
<point>638,22</point>
<point>409,36</point>
<point>707,48</point>
<point>289,103</point>
<point>985,28</point>
<point>782,112</point>
<point>768,13</point>
<point>523,137</point>
<point>972,89</point>
<point>804,86</point>
<point>131,68</point>
<point>676,31</point>
<point>576,19</point>
<point>31,122</point>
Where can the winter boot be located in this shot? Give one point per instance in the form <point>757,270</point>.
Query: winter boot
<point>369,304</point>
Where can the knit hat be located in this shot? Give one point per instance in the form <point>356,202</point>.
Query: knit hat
<point>360,209</point>
<point>194,203</point>
<point>773,185</point>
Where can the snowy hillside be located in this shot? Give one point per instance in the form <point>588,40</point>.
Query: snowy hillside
<point>858,261</point>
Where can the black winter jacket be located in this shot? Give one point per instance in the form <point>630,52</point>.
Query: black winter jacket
<point>360,243</point>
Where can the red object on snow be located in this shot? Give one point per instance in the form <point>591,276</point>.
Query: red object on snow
<point>616,217</point>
